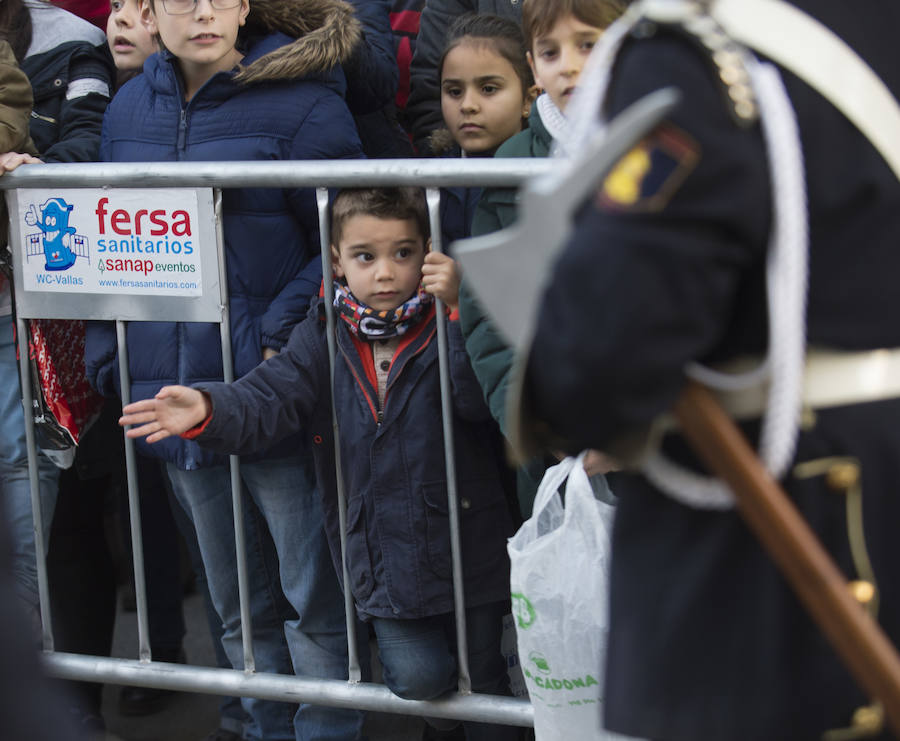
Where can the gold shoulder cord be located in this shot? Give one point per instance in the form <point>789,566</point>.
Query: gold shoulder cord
<point>843,475</point>
<point>727,55</point>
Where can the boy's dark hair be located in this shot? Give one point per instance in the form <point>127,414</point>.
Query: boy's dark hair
<point>382,203</point>
<point>539,16</point>
<point>501,34</point>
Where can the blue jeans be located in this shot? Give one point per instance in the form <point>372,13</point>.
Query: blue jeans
<point>418,660</point>
<point>231,715</point>
<point>315,642</point>
<point>15,487</point>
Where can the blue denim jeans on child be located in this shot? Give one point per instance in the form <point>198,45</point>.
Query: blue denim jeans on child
<point>418,660</point>
<point>14,484</point>
<point>284,491</point>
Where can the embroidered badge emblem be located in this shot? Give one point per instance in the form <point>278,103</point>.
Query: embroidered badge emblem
<point>647,177</point>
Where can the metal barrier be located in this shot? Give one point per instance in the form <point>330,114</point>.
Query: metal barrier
<point>430,174</point>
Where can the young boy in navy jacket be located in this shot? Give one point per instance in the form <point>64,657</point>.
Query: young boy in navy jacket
<point>387,395</point>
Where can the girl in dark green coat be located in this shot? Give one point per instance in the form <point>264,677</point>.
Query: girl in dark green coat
<point>560,35</point>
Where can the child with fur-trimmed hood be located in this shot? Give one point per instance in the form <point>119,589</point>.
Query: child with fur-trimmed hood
<point>226,87</point>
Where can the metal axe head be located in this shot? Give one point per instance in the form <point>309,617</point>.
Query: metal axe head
<point>508,269</point>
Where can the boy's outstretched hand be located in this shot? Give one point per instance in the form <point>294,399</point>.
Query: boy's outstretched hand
<point>440,277</point>
<point>174,410</point>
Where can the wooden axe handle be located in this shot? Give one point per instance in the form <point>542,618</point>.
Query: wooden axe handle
<point>859,641</point>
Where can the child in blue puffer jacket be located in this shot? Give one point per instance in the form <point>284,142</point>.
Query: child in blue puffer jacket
<point>388,402</point>
<point>225,87</point>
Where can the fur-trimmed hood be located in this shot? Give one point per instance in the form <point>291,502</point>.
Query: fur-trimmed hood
<point>325,33</point>
<point>442,144</point>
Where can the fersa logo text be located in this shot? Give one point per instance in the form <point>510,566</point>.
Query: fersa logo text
<point>144,231</point>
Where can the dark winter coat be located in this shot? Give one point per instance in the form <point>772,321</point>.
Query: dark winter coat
<point>71,73</point>
<point>405,18</point>
<point>458,203</point>
<point>365,42</point>
<point>381,132</point>
<point>372,78</point>
<point>371,69</point>
<point>398,550</point>
<point>497,207</point>
<point>286,105</point>
<point>457,210</point>
<point>355,34</point>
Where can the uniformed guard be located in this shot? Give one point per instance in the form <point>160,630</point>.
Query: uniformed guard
<point>691,261</point>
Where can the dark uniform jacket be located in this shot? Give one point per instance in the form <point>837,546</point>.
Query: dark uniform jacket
<point>398,538</point>
<point>707,641</point>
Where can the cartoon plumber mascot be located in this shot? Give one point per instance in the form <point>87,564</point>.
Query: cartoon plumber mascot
<point>56,233</point>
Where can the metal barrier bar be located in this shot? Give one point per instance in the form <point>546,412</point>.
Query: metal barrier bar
<point>282,174</point>
<point>34,481</point>
<point>134,504</point>
<point>234,461</point>
<point>354,672</point>
<point>331,692</point>
<point>433,198</point>
<point>353,694</point>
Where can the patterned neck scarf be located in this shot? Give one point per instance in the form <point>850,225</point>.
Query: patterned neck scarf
<point>370,324</point>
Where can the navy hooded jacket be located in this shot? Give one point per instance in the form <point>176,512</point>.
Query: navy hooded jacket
<point>398,536</point>
<point>271,235</point>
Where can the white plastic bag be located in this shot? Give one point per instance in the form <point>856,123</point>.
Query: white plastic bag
<point>559,583</point>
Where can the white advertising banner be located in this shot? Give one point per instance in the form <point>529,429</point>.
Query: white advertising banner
<point>133,242</point>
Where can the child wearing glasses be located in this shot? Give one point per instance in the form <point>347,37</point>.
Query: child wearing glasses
<point>225,87</point>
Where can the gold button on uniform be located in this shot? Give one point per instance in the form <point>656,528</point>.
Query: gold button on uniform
<point>862,591</point>
<point>841,476</point>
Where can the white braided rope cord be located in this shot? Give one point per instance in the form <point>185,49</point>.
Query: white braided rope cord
<point>786,277</point>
